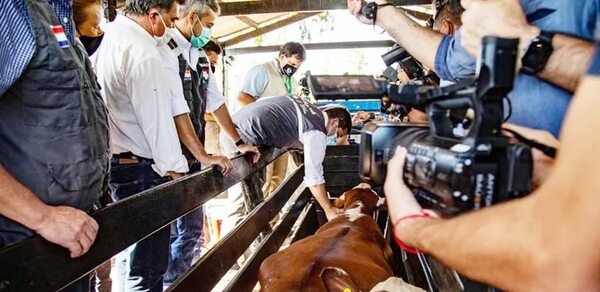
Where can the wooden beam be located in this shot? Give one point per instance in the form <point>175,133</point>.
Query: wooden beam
<point>35,264</point>
<point>247,20</point>
<point>281,6</point>
<point>316,46</point>
<point>268,28</point>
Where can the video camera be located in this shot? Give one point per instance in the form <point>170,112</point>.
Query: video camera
<point>411,67</point>
<point>448,173</point>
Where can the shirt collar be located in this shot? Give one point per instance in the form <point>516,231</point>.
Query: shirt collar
<point>181,41</point>
<point>126,21</point>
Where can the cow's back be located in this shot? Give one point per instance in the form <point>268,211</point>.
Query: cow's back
<point>357,247</point>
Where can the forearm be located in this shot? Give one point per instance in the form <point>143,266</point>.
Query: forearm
<point>320,194</point>
<point>18,203</point>
<point>245,99</point>
<point>421,42</point>
<point>225,122</point>
<point>569,61</point>
<point>187,136</point>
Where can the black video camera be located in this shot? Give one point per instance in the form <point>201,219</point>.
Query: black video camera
<point>411,66</point>
<point>448,173</point>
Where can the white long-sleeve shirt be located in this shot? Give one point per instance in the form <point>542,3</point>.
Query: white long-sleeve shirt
<point>132,75</point>
<point>315,145</point>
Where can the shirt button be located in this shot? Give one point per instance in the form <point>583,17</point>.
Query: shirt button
<point>65,20</point>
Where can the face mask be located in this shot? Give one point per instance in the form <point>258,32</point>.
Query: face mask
<point>289,70</point>
<point>91,44</point>
<point>213,68</point>
<point>202,40</point>
<point>332,140</point>
<point>163,39</point>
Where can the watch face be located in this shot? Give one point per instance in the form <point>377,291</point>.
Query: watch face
<point>537,56</point>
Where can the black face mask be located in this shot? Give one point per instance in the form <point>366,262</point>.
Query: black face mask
<point>91,44</point>
<point>289,70</point>
<point>213,68</point>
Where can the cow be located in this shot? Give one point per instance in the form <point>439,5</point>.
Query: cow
<point>346,254</point>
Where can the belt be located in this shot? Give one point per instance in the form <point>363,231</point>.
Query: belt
<point>130,158</point>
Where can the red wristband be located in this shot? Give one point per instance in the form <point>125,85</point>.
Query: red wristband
<point>399,242</point>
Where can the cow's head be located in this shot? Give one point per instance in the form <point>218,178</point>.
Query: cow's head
<point>361,198</point>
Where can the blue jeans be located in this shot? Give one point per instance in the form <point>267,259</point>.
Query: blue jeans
<point>147,260</point>
<point>187,235</point>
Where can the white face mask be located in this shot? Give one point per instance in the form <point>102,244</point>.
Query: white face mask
<point>163,39</point>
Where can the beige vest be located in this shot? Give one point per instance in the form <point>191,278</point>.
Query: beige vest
<point>276,85</point>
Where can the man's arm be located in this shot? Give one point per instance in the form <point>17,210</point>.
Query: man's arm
<point>315,145</point>
<point>187,136</point>
<point>68,227</point>
<point>245,98</point>
<point>421,42</point>
<point>529,244</point>
<point>505,18</point>
<point>223,119</point>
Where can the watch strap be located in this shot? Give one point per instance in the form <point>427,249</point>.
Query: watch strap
<point>544,39</point>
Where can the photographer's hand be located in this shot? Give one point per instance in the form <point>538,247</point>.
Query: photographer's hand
<point>400,200</point>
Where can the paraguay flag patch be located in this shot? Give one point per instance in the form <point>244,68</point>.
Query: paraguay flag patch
<point>60,35</point>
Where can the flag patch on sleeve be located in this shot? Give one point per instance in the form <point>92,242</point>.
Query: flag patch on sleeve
<point>60,35</point>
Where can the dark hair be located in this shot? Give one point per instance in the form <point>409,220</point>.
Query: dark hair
<point>200,7</point>
<point>448,9</point>
<point>141,7</point>
<point>81,10</point>
<point>213,46</point>
<point>293,48</point>
<point>343,115</point>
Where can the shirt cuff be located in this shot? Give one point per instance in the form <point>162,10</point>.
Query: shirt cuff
<point>313,181</point>
<point>595,67</point>
<point>214,104</point>
<point>179,106</point>
<point>441,59</point>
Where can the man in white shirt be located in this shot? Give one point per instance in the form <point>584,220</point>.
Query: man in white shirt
<point>290,122</point>
<point>144,141</point>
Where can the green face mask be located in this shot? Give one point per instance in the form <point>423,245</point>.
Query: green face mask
<point>202,40</point>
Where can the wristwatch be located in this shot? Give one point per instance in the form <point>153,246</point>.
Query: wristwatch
<point>239,142</point>
<point>537,54</point>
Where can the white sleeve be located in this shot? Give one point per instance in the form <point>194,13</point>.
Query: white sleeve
<point>315,144</point>
<point>179,105</point>
<point>151,99</point>
<point>214,98</point>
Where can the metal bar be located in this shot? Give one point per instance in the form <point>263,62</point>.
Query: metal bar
<point>280,6</point>
<point>315,46</point>
<point>209,270</point>
<point>308,223</point>
<point>37,265</point>
<point>246,279</point>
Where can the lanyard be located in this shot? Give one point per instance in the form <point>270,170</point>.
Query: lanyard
<point>288,84</point>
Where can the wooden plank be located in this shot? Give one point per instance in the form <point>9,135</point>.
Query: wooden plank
<point>209,270</point>
<point>308,223</point>
<point>265,29</point>
<point>281,6</point>
<point>314,46</point>
<point>247,278</point>
<point>247,20</point>
<point>37,265</point>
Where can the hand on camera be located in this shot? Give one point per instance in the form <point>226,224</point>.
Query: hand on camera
<point>500,18</point>
<point>542,164</point>
<point>401,201</point>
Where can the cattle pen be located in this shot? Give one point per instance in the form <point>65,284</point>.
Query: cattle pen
<point>37,265</point>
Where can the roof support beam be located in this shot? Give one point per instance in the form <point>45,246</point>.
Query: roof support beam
<point>316,46</point>
<point>247,21</point>
<point>281,6</point>
<point>267,28</point>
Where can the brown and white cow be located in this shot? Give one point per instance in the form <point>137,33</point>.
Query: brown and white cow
<point>346,254</point>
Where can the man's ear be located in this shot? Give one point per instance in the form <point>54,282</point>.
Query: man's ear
<point>448,27</point>
<point>339,202</point>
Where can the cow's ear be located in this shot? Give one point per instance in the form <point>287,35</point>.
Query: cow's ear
<point>339,202</point>
<point>336,279</point>
<point>381,203</point>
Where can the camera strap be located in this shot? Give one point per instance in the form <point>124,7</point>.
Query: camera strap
<point>547,150</point>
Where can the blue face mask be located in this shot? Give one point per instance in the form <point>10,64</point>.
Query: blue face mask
<point>332,140</point>
<point>203,39</point>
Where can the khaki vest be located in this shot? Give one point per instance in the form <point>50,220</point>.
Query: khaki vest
<point>276,85</point>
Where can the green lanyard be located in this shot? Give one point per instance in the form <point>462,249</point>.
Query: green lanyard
<point>288,84</point>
